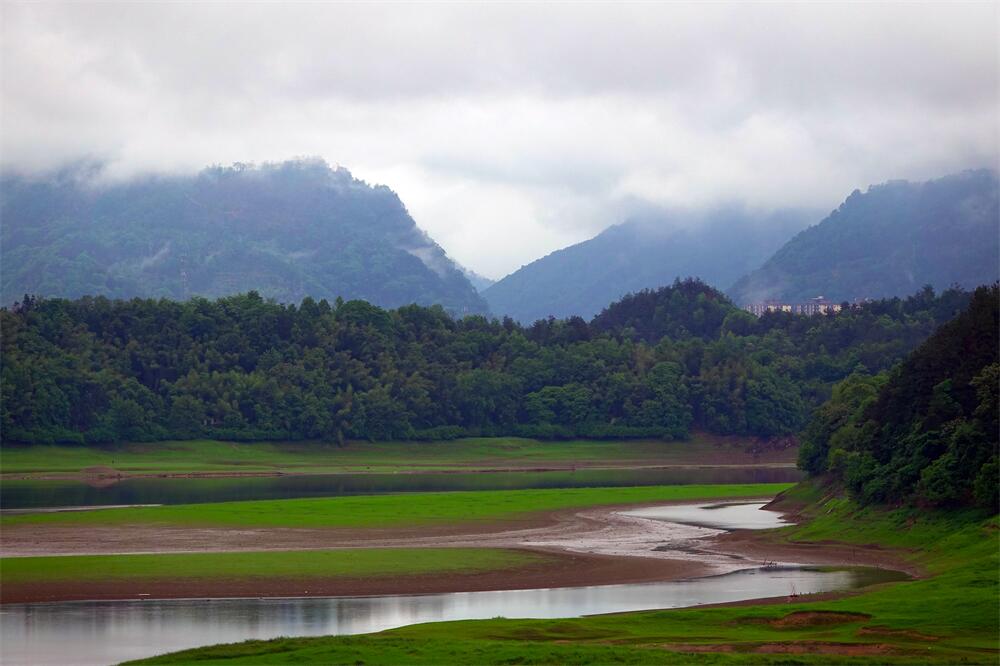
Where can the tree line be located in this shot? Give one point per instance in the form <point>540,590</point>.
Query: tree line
<point>654,364</point>
<point>927,429</point>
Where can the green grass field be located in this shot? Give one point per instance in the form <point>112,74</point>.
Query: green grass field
<point>352,562</point>
<point>383,511</point>
<point>949,618</point>
<point>468,454</point>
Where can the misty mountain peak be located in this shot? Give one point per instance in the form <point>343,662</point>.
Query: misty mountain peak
<point>889,241</point>
<point>286,229</point>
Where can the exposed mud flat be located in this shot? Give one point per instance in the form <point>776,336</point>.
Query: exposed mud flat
<point>582,547</point>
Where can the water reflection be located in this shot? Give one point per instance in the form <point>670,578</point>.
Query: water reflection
<point>110,632</point>
<point>728,516</point>
<point>20,494</point>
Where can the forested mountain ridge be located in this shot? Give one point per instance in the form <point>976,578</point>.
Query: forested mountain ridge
<point>656,364</point>
<point>889,241</point>
<point>644,252</point>
<point>927,430</point>
<point>285,230</point>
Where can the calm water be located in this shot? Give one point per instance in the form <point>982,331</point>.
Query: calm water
<point>728,516</point>
<point>17,494</point>
<point>110,632</point>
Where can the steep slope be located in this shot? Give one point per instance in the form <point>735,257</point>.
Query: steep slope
<point>287,230</point>
<point>480,282</point>
<point>928,429</point>
<point>889,241</point>
<point>642,253</point>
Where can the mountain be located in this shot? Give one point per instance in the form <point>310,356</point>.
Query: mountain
<point>889,241</point>
<point>480,282</point>
<point>643,253</point>
<point>288,230</point>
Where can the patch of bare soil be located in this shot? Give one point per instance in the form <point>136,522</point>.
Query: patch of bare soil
<point>804,619</point>
<point>770,547</point>
<point>790,647</point>
<point>878,630</point>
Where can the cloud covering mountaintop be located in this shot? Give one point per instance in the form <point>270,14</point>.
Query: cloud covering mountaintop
<point>512,130</point>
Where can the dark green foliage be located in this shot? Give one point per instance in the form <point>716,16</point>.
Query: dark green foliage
<point>689,309</point>
<point>285,230</point>
<point>887,242</point>
<point>656,364</point>
<point>926,430</point>
<point>645,252</point>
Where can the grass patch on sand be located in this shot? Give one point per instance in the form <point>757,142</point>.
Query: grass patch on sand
<point>473,453</point>
<point>949,618</point>
<point>351,563</point>
<point>387,511</point>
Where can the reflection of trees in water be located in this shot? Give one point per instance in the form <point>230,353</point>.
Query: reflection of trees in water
<point>17,494</point>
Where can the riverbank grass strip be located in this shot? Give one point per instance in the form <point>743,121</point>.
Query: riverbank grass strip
<point>389,511</point>
<point>349,562</point>
<point>194,456</point>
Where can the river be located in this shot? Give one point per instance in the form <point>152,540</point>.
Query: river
<point>109,632</point>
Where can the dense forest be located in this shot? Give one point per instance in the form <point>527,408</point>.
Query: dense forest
<point>287,230</point>
<point>646,251</point>
<point>927,429</point>
<point>889,241</point>
<point>655,364</point>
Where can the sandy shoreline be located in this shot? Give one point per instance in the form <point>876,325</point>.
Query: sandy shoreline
<point>579,547</point>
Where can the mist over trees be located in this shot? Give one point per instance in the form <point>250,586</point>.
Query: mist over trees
<point>889,241</point>
<point>286,230</point>
<point>645,252</point>
<point>655,364</point>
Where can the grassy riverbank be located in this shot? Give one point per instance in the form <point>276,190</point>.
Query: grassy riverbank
<point>348,562</point>
<point>950,617</point>
<point>390,511</point>
<point>209,456</point>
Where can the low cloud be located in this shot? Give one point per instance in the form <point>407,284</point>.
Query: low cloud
<point>510,130</point>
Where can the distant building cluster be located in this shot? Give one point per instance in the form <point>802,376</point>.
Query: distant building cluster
<point>818,305</point>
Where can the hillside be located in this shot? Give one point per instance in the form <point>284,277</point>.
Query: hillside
<point>657,364</point>
<point>285,230</point>
<point>888,242</point>
<point>642,253</point>
<point>925,431</point>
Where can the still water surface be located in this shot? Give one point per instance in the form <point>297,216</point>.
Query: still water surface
<point>723,516</point>
<point>110,632</point>
<point>21,494</point>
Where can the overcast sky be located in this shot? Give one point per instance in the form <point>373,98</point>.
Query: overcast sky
<point>511,130</point>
